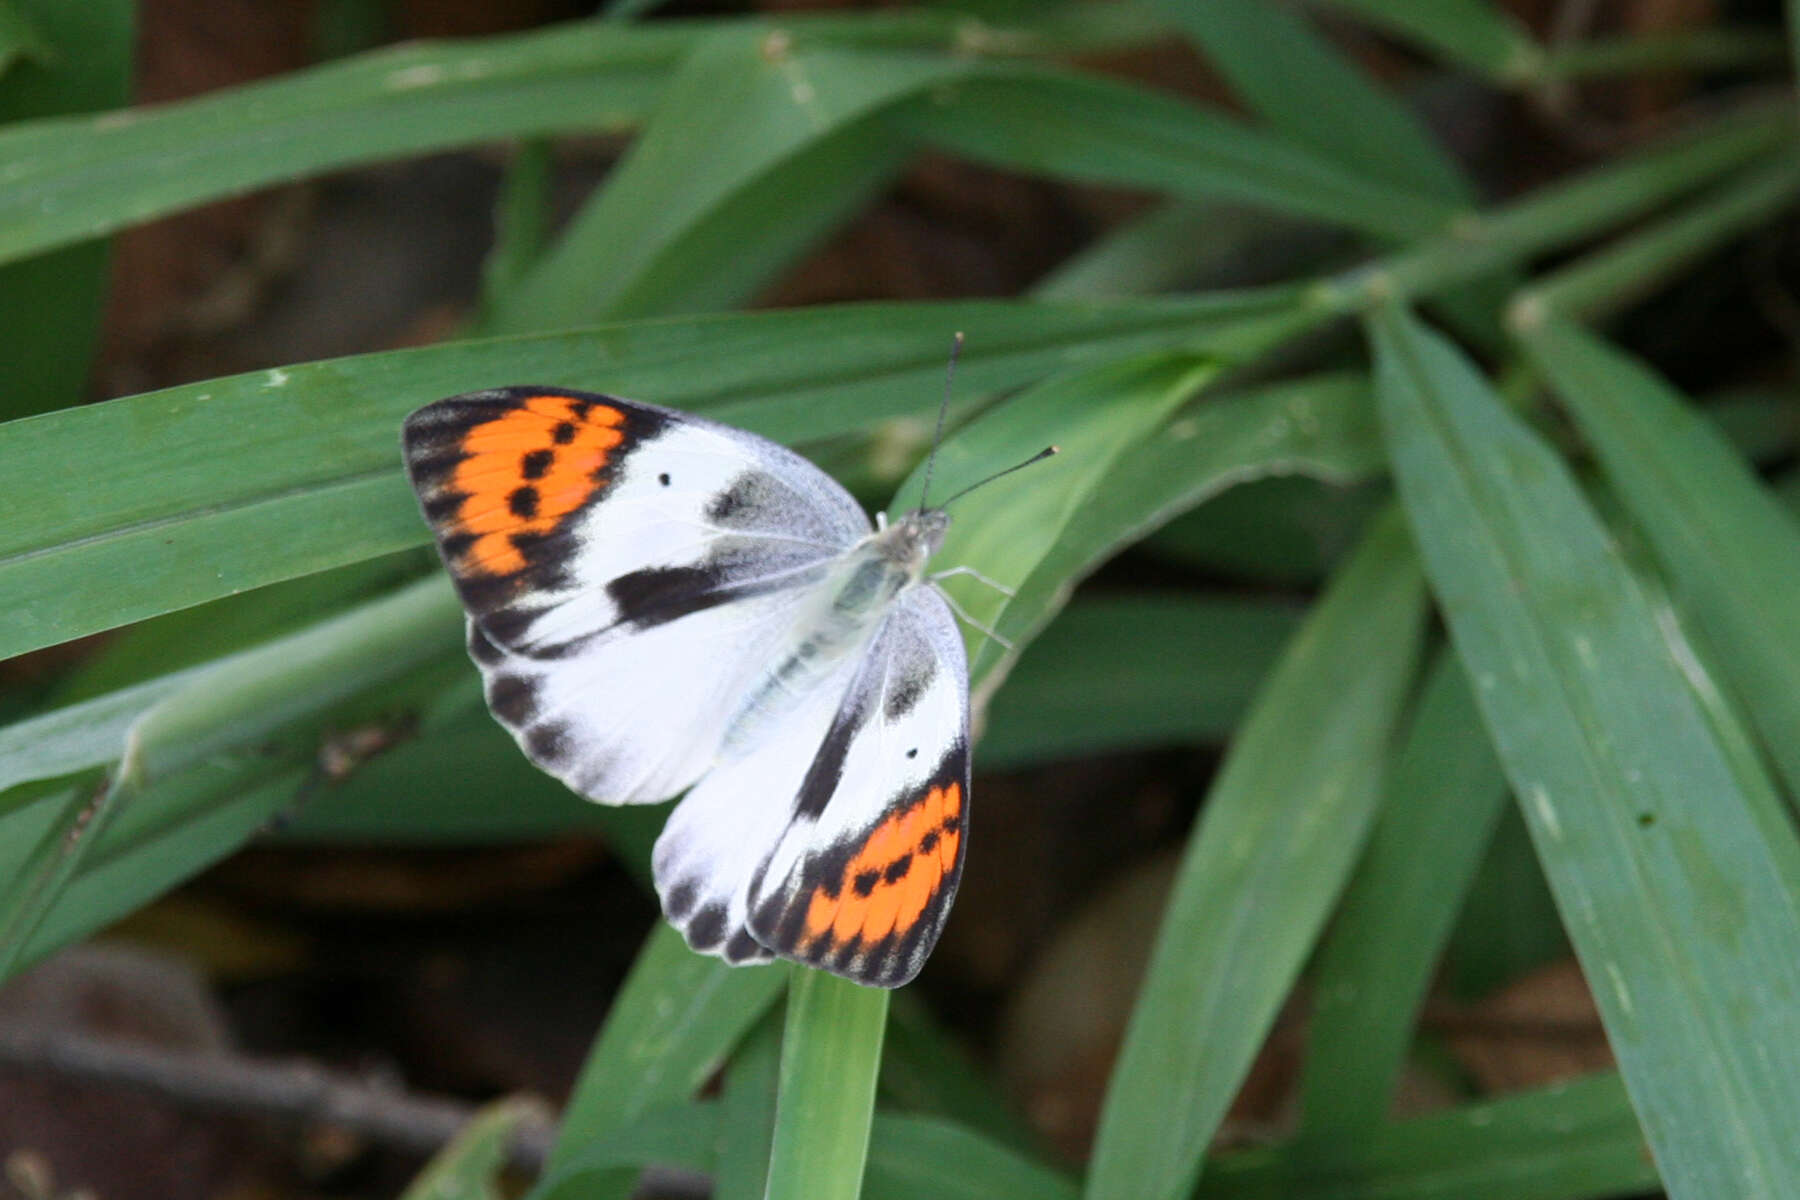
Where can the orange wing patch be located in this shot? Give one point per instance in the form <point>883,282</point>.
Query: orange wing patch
<point>524,471</point>
<point>888,884</point>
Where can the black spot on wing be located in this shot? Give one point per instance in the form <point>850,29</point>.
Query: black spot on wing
<point>680,900</point>
<point>740,947</point>
<point>780,922</point>
<point>455,545</point>
<point>441,507</point>
<point>523,502</point>
<point>513,698</point>
<point>706,929</point>
<point>507,626</point>
<point>482,648</point>
<point>548,743</point>
<point>536,464</point>
<point>843,957</point>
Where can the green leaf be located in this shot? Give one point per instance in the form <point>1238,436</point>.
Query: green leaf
<point>75,819</point>
<point>1186,245</point>
<point>72,179</point>
<point>753,235</point>
<point>1096,680</point>
<point>1729,547</point>
<point>1627,270</point>
<point>1793,30</point>
<point>1083,128</point>
<point>921,1156</point>
<point>670,1135</point>
<point>138,837</point>
<point>1474,33</point>
<point>1096,416</point>
<point>1284,531</point>
<point>214,488</point>
<point>65,58</point>
<point>924,1069</point>
<point>1508,925</point>
<point>830,1056</point>
<point>1444,797</point>
<point>1310,94</point>
<point>1686,51</point>
<point>1274,845</point>
<point>207,632</point>
<point>521,222</point>
<point>1318,425</point>
<point>741,106</point>
<point>1567,212</point>
<point>469,1167</point>
<point>747,1113</point>
<point>20,38</point>
<point>1569,1141</point>
<point>458,779</point>
<point>89,734</point>
<point>1136,469</point>
<point>671,1025</point>
<point>1674,870</point>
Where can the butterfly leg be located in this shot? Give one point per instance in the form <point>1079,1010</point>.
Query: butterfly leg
<point>971,571</point>
<point>973,623</point>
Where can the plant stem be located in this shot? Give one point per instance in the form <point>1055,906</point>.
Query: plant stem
<point>830,1057</point>
<point>1690,50</point>
<point>1628,269</point>
<point>1564,213</point>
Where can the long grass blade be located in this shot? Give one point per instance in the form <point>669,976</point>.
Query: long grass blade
<point>1569,1141</point>
<point>202,491</point>
<point>1281,829</point>
<point>1670,863</point>
<point>1298,83</point>
<point>1444,797</point>
<point>830,1056</point>
<point>1728,545</point>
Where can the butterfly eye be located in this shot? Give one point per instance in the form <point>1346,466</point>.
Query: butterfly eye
<point>913,753</point>
<point>663,479</point>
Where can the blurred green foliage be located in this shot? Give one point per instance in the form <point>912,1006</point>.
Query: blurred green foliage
<point>1640,706</point>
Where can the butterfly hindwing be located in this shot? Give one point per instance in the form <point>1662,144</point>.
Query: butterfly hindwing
<point>836,840</point>
<point>728,824</point>
<point>628,571</point>
<point>863,877</point>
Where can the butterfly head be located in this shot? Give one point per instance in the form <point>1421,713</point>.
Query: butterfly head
<point>912,539</point>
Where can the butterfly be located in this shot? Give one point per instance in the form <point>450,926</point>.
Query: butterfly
<point>661,603</point>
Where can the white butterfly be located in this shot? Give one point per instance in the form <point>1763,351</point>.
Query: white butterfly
<point>660,603</point>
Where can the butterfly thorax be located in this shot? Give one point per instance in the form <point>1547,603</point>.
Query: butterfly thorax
<point>850,603</point>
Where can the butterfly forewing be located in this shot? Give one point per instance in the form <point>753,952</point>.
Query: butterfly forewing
<point>568,516</point>
<point>862,880</point>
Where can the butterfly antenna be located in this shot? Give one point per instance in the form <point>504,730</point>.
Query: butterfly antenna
<point>1039,457</point>
<point>937,438</point>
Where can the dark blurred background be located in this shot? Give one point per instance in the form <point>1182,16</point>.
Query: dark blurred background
<point>474,973</point>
